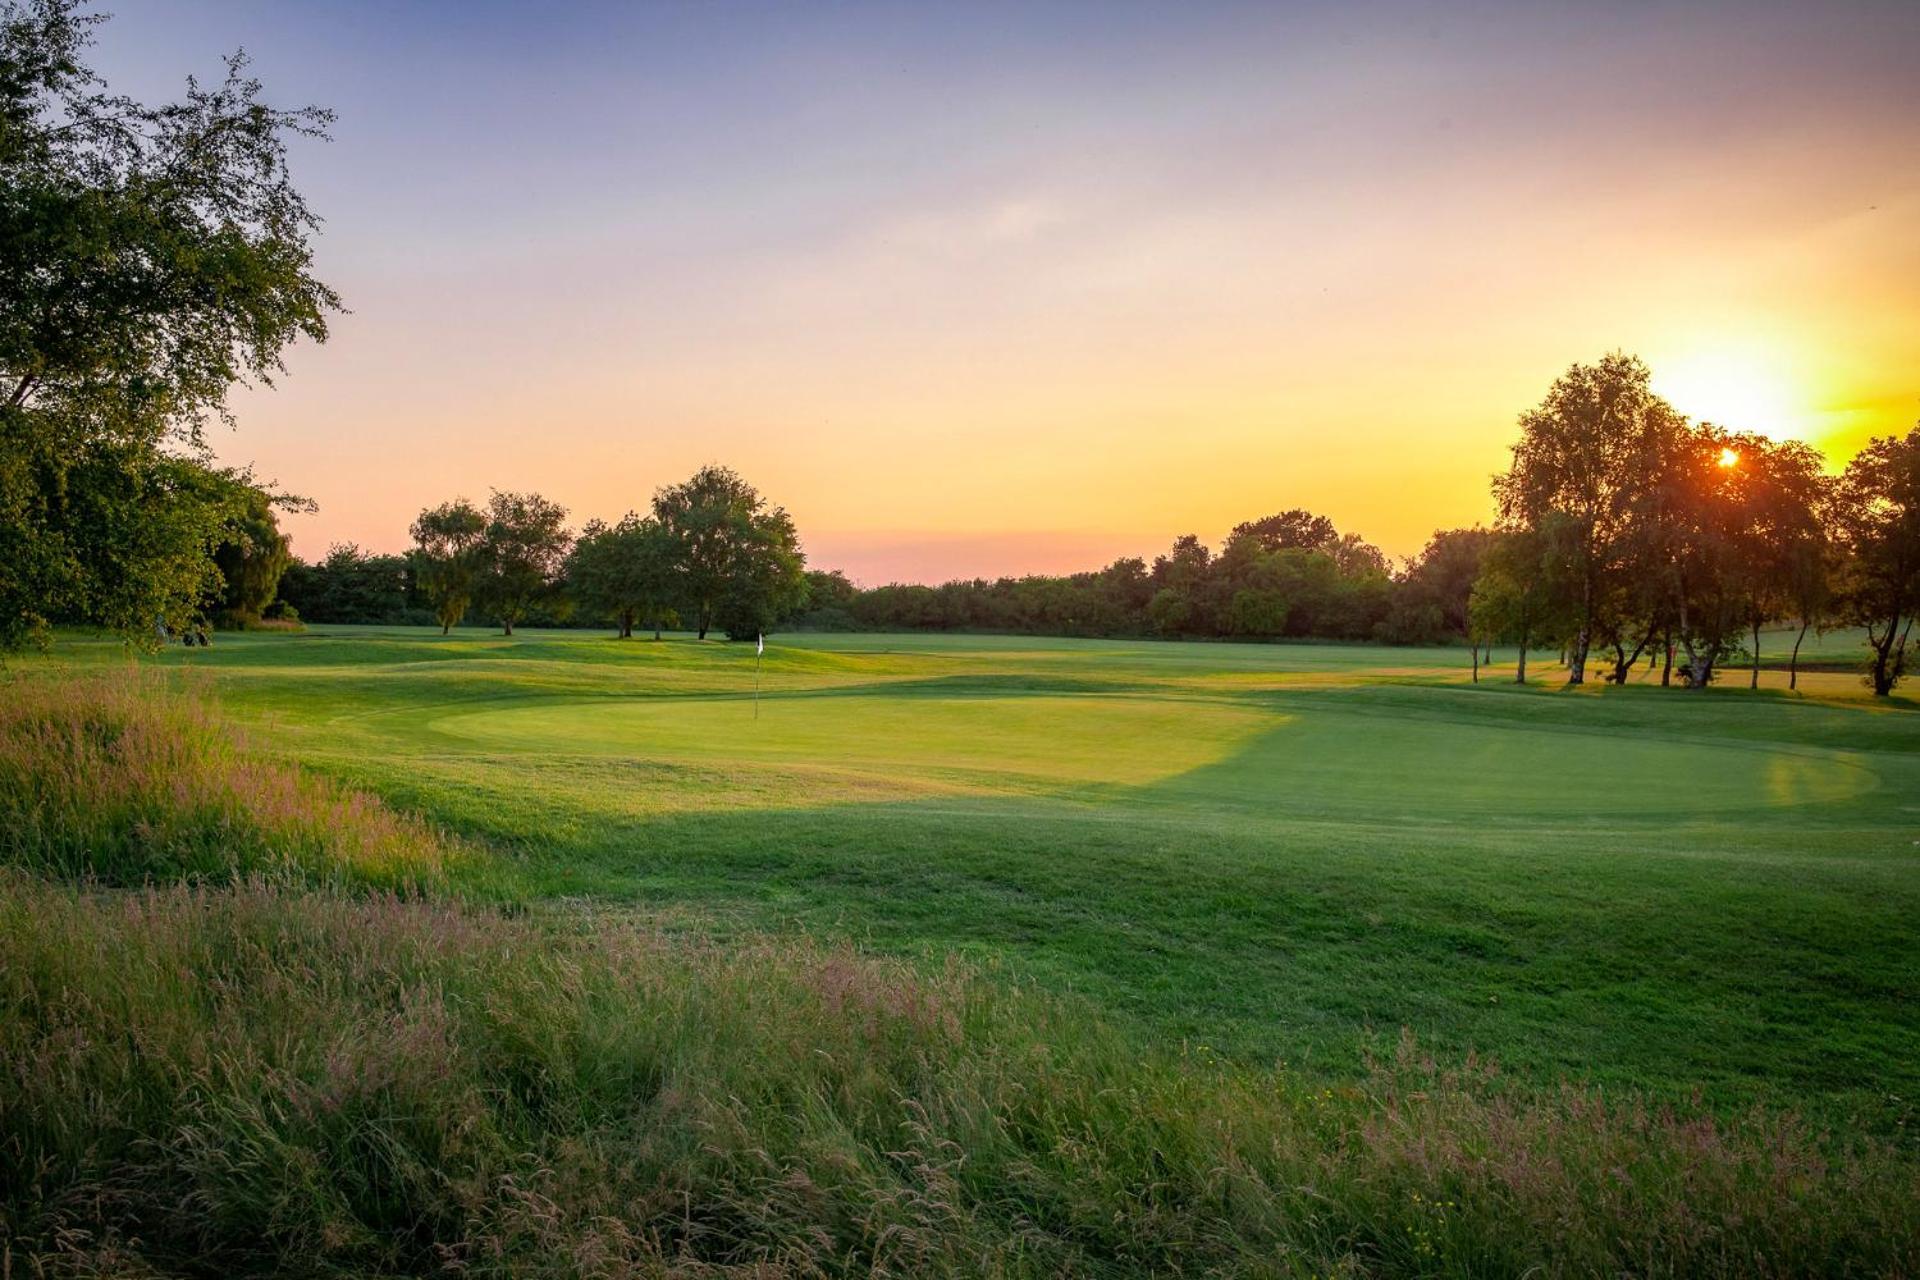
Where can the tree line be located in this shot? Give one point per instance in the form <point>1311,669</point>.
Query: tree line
<point>710,554</point>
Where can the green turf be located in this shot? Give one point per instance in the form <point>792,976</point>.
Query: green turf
<point>1287,851</point>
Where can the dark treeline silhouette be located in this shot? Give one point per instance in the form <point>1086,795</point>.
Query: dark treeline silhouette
<point>1288,575</point>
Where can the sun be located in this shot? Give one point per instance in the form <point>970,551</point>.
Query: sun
<point>1729,457</point>
<point>1743,389</point>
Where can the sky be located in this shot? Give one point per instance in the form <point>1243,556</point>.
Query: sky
<point>977,289</point>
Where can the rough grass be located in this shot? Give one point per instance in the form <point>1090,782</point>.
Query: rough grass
<point>266,1068</point>
<point>110,778</point>
<point>257,1079</point>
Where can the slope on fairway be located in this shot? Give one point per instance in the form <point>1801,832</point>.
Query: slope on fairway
<point>987,740</point>
<point>1360,755</point>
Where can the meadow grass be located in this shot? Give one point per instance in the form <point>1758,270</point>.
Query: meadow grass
<point>258,1079</point>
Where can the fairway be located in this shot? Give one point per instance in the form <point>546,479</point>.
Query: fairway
<point>985,741</point>
<point>1283,852</point>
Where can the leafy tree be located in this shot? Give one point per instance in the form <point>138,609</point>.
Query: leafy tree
<point>769,579</point>
<point>1513,597</point>
<point>1876,519</point>
<point>253,556</point>
<point>449,543</point>
<point>629,572</point>
<point>1170,611</point>
<point>741,561</point>
<point>1591,453</point>
<point>154,256</point>
<point>349,585</point>
<point>1293,528</point>
<point>1786,498</point>
<point>1437,588</point>
<point>521,554</point>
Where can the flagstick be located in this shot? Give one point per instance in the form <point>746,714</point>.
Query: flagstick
<point>760,649</point>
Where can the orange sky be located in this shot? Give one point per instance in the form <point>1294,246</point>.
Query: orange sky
<point>1009,289</point>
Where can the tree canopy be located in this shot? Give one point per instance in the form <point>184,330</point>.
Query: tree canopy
<point>155,256</point>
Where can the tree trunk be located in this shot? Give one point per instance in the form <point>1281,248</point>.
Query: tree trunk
<point>506,625</point>
<point>445,627</point>
<point>1623,663</point>
<point>1754,683</point>
<point>1474,647</point>
<point>1520,673</point>
<point>1883,674</point>
<point>1666,672</point>
<point>1577,658</point>
<point>1793,663</point>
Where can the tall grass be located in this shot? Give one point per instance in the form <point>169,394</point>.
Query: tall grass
<point>249,1071</point>
<point>115,779</point>
<point>257,1079</point>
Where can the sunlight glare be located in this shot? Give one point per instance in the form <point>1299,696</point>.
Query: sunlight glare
<point>1740,389</point>
<point>1729,457</point>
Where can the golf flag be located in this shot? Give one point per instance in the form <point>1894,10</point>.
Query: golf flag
<point>762,646</point>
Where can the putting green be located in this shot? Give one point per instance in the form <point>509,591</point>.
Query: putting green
<point>1017,740</point>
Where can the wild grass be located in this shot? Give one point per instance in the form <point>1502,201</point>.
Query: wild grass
<point>261,1079</point>
<point>113,778</point>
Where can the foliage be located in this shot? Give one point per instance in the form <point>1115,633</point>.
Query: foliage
<point>353,586</point>
<point>252,558</point>
<point>1877,521</point>
<point>522,553</point>
<point>155,255</point>
<point>448,553</point>
<point>1592,454</point>
<point>629,572</point>
<point>108,533</point>
<point>740,561</point>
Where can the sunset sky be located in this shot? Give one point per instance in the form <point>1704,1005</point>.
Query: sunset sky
<point>993,288</point>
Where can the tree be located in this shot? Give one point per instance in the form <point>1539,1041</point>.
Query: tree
<point>1513,597</point>
<point>629,572</point>
<point>448,545</point>
<point>1786,497</point>
<point>253,556</point>
<point>735,552</point>
<point>1293,528</point>
<point>1591,453</point>
<point>1437,589</point>
<point>1876,520</point>
<point>521,554</point>
<point>154,256</point>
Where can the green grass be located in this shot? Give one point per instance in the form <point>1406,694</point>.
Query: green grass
<point>591,1010</point>
<point>1287,853</point>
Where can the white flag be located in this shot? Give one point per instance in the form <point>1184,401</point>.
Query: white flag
<point>762,647</point>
